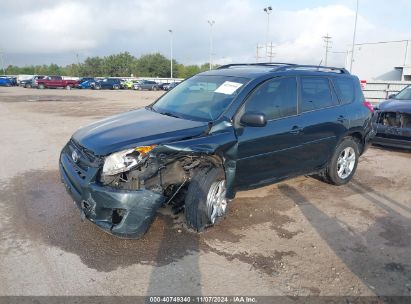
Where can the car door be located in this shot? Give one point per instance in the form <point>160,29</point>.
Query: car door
<point>54,81</point>
<point>147,85</point>
<point>269,153</point>
<point>106,83</point>
<point>322,120</point>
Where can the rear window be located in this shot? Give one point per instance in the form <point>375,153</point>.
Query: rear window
<point>345,89</point>
<point>316,94</point>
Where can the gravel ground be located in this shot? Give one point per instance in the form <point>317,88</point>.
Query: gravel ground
<point>299,237</point>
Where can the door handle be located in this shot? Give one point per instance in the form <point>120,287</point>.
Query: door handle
<point>296,130</point>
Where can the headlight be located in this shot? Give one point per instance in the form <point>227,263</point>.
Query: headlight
<point>125,160</point>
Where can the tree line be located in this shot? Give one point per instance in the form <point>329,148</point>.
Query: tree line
<point>117,65</point>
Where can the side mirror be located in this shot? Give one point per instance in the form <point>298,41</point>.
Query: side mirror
<point>392,96</point>
<point>253,119</point>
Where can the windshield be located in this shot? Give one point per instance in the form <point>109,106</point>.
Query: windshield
<point>404,94</point>
<point>201,97</point>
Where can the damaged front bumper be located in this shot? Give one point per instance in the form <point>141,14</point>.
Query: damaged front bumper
<point>393,129</point>
<point>123,213</point>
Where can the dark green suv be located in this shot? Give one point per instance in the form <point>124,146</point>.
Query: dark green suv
<point>238,127</point>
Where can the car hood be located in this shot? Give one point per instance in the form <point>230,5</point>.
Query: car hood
<point>393,105</point>
<point>135,128</point>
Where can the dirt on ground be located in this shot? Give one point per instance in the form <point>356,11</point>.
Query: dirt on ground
<point>299,237</point>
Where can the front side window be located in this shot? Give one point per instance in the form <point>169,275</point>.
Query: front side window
<point>201,97</point>
<point>316,94</point>
<point>405,94</point>
<point>276,98</point>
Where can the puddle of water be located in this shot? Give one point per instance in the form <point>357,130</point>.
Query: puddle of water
<point>38,209</point>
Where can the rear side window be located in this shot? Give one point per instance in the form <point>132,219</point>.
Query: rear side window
<point>345,89</point>
<point>316,94</point>
<point>276,98</point>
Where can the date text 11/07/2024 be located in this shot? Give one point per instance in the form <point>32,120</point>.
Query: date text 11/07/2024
<point>203,299</point>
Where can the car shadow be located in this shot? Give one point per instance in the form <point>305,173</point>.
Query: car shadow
<point>184,277</point>
<point>362,252</point>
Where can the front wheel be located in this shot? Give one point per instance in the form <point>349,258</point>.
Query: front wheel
<point>343,163</point>
<point>68,87</point>
<point>206,202</point>
<point>41,86</point>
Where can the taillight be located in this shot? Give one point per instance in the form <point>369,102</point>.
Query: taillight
<point>368,105</point>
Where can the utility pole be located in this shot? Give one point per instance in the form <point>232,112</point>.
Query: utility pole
<point>327,46</point>
<point>268,11</point>
<point>270,54</point>
<point>353,37</point>
<point>257,57</point>
<point>211,23</point>
<point>171,53</point>
<point>2,62</point>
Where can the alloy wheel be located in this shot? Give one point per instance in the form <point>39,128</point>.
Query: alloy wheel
<point>345,162</point>
<point>216,201</point>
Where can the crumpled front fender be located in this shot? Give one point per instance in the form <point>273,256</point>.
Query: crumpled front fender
<point>221,141</point>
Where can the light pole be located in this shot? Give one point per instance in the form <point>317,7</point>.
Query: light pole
<point>2,62</point>
<point>353,37</point>
<point>211,23</point>
<point>268,11</point>
<point>171,53</point>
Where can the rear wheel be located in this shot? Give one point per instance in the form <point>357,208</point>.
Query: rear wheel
<point>206,202</point>
<point>116,87</point>
<point>68,87</point>
<point>343,163</point>
<point>41,86</point>
<point>97,87</point>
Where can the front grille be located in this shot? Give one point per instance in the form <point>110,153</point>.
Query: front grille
<point>79,170</point>
<point>87,153</point>
<point>85,165</point>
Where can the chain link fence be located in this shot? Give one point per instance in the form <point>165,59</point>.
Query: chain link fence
<point>377,91</point>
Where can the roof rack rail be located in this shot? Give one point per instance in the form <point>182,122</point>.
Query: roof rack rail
<point>268,64</point>
<point>283,66</point>
<point>312,67</point>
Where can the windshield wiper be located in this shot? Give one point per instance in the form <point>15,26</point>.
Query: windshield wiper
<point>169,114</point>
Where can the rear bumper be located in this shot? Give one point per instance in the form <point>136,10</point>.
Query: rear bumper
<point>122,213</point>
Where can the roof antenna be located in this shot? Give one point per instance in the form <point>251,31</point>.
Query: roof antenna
<point>321,61</point>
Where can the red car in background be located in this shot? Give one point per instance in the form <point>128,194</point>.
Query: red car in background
<point>55,82</point>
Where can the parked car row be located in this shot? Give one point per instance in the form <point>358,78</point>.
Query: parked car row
<point>8,81</point>
<point>43,82</point>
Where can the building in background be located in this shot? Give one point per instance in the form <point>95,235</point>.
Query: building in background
<point>382,61</point>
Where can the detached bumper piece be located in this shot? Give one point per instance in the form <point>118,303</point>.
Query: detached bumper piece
<point>126,214</point>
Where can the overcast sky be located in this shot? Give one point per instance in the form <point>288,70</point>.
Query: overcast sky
<point>54,31</point>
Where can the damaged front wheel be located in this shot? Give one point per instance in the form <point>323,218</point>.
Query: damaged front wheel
<point>206,200</point>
